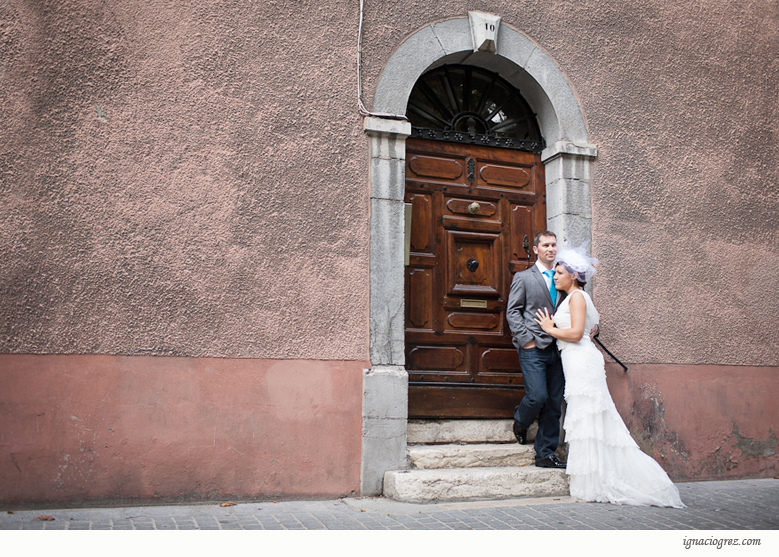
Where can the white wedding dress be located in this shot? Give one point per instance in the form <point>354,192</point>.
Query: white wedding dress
<point>604,462</point>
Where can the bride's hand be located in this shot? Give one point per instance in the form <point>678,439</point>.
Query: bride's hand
<point>545,320</point>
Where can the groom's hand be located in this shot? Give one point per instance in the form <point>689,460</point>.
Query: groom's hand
<point>531,344</point>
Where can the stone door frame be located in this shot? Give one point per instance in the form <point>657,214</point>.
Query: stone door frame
<point>567,160</point>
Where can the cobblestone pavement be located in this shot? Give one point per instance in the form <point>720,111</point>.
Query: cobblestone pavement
<point>720,505</point>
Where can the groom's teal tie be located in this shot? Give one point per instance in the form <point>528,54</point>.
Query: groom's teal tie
<point>552,289</point>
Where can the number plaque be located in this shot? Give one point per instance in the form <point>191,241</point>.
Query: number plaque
<point>484,31</point>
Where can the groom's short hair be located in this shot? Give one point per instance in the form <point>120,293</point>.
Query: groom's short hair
<point>544,233</point>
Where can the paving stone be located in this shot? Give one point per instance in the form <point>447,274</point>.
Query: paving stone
<point>313,525</point>
<point>731,505</point>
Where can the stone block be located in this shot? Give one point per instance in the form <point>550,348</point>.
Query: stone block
<point>515,46</point>
<point>506,68</point>
<point>545,71</point>
<point>485,29</point>
<point>573,228</point>
<point>471,456</point>
<point>567,166</point>
<point>385,126</point>
<point>403,69</point>
<point>463,431</point>
<point>385,413</point>
<point>568,196</point>
<point>387,296</point>
<point>385,393</point>
<point>454,35</point>
<point>383,449</point>
<point>389,146</point>
<point>469,484</point>
<point>388,178</point>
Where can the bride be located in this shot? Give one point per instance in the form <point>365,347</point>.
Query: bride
<point>604,462</point>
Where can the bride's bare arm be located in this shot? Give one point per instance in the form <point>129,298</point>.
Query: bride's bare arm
<point>578,309</point>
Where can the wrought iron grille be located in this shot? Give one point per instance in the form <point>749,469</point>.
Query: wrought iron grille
<point>466,104</point>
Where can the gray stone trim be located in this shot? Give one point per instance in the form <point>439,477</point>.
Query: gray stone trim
<point>567,159</point>
<point>384,419</point>
<point>519,60</point>
<point>387,177</point>
<point>561,148</point>
<point>385,385</point>
<point>383,126</point>
<point>568,204</point>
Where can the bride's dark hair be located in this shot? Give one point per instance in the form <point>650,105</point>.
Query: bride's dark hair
<point>578,277</point>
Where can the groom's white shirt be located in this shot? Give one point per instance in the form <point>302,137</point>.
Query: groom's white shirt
<point>543,269</point>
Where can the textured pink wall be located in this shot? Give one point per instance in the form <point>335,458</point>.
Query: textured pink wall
<point>217,204</point>
<point>182,179</point>
<point>702,422</point>
<point>77,428</point>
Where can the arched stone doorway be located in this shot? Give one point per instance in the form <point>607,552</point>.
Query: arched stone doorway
<point>566,158</point>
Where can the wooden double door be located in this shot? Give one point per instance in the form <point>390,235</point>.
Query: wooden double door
<point>475,211</point>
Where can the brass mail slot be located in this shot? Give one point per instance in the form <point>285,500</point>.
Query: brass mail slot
<point>473,303</point>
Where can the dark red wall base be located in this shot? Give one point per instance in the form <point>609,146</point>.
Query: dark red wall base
<point>702,422</point>
<point>83,428</point>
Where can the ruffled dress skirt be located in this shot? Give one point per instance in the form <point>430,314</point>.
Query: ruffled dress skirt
<point>604,462</point>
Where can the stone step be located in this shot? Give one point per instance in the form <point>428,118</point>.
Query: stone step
<point>471,455</point>
<point>474,484</point>
<point>463,431</point>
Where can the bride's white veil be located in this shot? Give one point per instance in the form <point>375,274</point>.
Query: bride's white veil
<point>577,262</point>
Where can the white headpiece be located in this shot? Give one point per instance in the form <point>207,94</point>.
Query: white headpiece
<point>577,262</point>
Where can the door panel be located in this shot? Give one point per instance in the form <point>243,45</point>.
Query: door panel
<point>474,260</point>
<point>434,358</point>
<point>460,321</point>
<point>422,235</point>
<point>475,211</point>
<point>505,176</point>
<point>462,206</point>
<point>419,298</point>
<point>435,167</point>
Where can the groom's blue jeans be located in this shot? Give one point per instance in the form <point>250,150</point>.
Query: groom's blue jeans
<point>542,371</point>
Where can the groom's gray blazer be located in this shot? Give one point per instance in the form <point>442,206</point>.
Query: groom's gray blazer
<point>528,294</point>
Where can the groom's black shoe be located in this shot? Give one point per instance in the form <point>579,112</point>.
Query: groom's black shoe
<point>520,434</point>
<point>550,462</point>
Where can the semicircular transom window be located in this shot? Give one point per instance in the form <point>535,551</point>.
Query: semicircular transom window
<point>467,104</point>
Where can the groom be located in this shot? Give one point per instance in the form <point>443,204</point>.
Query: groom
<point>539,359</point>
